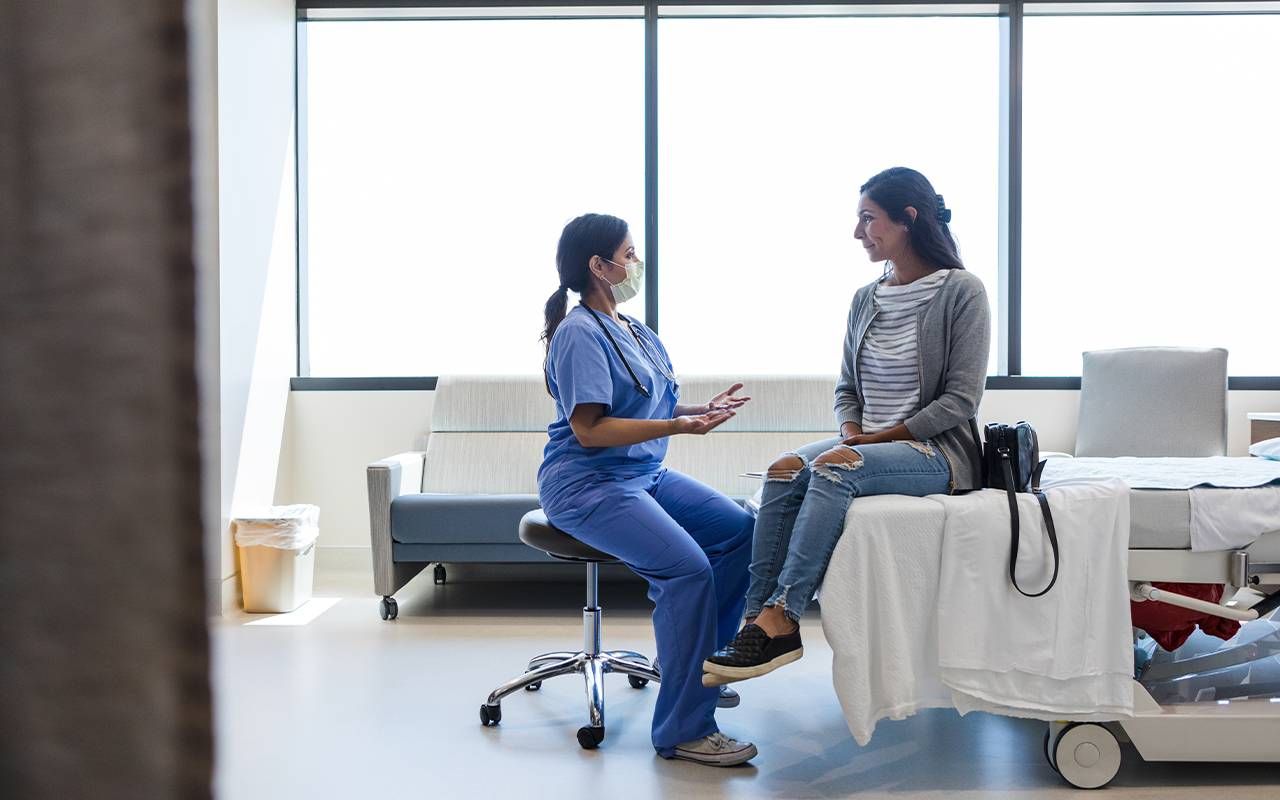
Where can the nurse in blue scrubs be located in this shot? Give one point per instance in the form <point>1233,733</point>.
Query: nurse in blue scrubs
<point>602,479</point>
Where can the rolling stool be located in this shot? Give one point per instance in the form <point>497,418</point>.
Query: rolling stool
<point>538,533</point>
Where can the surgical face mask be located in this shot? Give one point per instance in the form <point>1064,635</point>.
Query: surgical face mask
<point>629,286</point>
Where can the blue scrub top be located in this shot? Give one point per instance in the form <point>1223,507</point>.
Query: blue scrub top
<point>583,367</point>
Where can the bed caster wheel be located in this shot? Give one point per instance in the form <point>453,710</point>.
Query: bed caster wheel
<point>439,575</point>
<point>1086,755</point>
<point>1048,750</point>
<point>533,687</point>
<point>388,608</point>
<point>490,716</point>
<point>589,737</point>
<point>637,682</point>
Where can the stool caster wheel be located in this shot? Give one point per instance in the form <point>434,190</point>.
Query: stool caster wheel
<point>439,575</point>
<point>490,716</point>
<point>589,737</point>
<point>388,609</point>
<point>637,682</point>
<point>533,687</point>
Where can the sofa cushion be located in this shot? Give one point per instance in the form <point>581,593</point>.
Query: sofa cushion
<point>719,459</point>
<point>488,432</point>
<point>464,519</point>
<point>483,462</point>
<point>778,402</point>
<point>492,403</point>
<point>507,463</point>
<point>459,518</point>
<point>507,403</point>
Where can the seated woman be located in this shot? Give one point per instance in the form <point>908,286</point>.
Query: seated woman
<point>914,367</point>
<point>603,483</point>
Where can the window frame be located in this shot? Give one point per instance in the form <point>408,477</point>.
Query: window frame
<point>1011,15</point>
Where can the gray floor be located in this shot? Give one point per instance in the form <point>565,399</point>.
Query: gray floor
<point>348,706</point>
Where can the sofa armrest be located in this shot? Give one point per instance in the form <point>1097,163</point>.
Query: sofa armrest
<point>388,479</point>
<point>404,471</point>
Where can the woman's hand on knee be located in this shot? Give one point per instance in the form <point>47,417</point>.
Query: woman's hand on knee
<point>860,438</point>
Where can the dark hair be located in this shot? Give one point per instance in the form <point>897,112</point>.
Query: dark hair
<point>899,187</point>
<point>586,236</point>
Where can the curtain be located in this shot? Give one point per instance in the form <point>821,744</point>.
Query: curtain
<point>104,655</point>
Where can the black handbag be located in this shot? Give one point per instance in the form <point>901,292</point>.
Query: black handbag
<point>1011,461</point>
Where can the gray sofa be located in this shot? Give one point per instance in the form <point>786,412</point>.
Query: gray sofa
<point>461,499</point>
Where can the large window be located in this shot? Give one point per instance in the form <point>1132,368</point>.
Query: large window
<point>442,159</point>
<point>1111,167</point>
<point>767,129</point>
<point>1151,194</point>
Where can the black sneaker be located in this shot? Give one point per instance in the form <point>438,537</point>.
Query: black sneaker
<point>751,653</point>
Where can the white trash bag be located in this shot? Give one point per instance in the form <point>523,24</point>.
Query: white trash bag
<point>293,527</point>
<point>277,556</point>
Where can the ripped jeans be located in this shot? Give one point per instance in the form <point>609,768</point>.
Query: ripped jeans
<point>806,497</point>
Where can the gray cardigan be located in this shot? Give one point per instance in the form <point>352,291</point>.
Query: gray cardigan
<point>954,330</point>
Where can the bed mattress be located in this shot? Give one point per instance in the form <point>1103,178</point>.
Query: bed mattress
<point>1227,513</point>
<point>1160,519</point>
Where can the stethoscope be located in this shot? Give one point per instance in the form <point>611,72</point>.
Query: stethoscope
<point>644,346</point>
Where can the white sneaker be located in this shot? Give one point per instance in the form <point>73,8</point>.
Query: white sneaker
<point>728,698</point>
<point>716,750</point>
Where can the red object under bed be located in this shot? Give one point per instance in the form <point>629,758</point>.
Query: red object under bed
<point>1171,626</point>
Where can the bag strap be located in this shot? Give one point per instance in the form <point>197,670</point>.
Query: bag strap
<point>1035,476</point>
<point>1014,526</point>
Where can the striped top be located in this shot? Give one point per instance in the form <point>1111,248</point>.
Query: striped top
<point>889,362</point>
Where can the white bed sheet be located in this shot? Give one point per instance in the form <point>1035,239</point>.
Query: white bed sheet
<point>880,613</point>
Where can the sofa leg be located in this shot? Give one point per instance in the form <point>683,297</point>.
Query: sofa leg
<point>440,576</point>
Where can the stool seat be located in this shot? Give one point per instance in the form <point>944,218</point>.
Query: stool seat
<point>538,532</point>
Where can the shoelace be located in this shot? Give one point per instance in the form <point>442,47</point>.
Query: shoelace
<point>719,741</point>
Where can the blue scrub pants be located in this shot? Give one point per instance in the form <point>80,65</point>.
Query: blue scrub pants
<point>692,544</point>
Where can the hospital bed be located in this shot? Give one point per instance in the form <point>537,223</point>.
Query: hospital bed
<point>1218,703</point>
<point>1173,402</point>
<point>1205,702</point>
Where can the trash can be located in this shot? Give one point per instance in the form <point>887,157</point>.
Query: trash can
<point>277,556</point>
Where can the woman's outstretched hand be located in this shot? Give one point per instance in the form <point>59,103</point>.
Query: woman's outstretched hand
<point>702,423</point>
<point>726,401</point>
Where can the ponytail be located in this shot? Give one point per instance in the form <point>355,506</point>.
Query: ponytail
<point>554,313</point>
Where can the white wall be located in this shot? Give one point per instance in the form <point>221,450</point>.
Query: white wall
<point>334,435</point>
<point>257,251</point>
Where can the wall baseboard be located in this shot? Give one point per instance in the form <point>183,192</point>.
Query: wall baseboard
<point>231,594</point>
<point>340,558</point>
<point>352,559</point>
